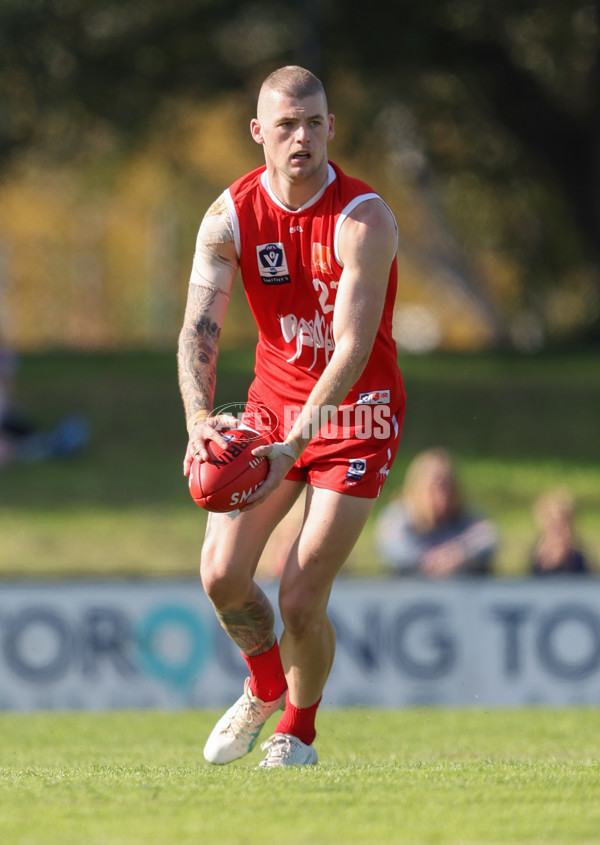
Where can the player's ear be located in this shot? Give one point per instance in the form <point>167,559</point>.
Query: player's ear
<point>256,131</point>
<point>331,127</point>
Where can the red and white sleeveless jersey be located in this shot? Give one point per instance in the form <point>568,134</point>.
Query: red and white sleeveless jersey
<point>291,271</point>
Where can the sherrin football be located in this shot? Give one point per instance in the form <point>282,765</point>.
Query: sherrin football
<point>224,482</point>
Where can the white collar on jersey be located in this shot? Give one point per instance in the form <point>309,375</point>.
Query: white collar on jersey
<point>331,176</point>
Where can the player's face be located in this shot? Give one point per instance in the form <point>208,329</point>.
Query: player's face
<point>294,133</point>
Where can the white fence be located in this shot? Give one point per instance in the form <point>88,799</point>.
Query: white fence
<point>156,644</point>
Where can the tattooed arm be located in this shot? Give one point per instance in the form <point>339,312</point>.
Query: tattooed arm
<point>213,273</point>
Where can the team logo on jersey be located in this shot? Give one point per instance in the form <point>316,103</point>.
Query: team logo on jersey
<point>321,258</point>
<point>272,264</point>
<point>356,470</point>
<point>374,397</point>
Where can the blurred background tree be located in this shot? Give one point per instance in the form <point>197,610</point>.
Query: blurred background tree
<point>479,122</point>
<point>121,121</point>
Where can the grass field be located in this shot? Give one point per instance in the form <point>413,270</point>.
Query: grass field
<point>417,776</point>
<point>516,425</point>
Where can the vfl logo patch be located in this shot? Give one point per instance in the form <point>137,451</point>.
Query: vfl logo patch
<point>374,397</point>
<point>321,258</point>
<point>272,264</point>
<point>356,470</point>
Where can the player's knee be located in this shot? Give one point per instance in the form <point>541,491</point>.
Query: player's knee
<point>300,611</point>
<point>220,584</point>
<point>221,588</point>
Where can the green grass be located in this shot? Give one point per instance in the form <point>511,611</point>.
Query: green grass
<point>416,776</point>
<point>516,425</point>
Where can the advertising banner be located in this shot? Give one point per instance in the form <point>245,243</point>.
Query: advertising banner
<point>100,645</point>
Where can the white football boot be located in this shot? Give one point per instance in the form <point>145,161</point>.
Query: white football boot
<point>287,750</point>
<point>237,730</point>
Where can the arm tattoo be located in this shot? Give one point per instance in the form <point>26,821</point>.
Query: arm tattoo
<point>251,626</point>
<point>197,351</point>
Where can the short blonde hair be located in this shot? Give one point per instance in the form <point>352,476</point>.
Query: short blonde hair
<point>292,81</point>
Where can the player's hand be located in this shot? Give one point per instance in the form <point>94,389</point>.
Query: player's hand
<point>281,457</point>
<point>203,432</point>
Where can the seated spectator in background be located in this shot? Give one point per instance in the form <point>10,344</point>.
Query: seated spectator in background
<point>428,530</point>
<point>6,374</point>
<point>20,438</point>
<point>556,550</point>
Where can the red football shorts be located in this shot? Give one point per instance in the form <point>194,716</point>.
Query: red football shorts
<point>351,454</point>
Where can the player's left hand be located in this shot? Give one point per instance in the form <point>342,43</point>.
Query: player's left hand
<point>281,457</point>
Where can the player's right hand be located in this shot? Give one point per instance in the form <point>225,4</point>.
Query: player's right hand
<point>203,432</point>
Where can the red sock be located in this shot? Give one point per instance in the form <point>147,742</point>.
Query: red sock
<point>267,679</point>
<point>298,721</point>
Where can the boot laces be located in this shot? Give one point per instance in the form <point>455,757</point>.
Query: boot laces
<point>278,746</point>
<point>246,713</point>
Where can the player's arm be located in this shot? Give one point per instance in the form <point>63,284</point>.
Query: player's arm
<point>213,273</point>
<point>367,246</point>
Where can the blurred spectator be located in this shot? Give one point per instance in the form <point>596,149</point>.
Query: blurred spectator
<point>7,365</point>
<point>427,529</point>
<point>556,550</point>
<point>20,438</point>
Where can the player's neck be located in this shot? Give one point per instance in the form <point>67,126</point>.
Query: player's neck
<point>295,193</point>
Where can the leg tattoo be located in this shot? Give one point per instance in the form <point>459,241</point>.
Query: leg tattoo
<point>251,626</point>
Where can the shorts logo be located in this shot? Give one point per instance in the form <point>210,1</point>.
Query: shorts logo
<point>272,264</point>
<point>357,469</point>
<point>374,397</point>
<point>321,257</point>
